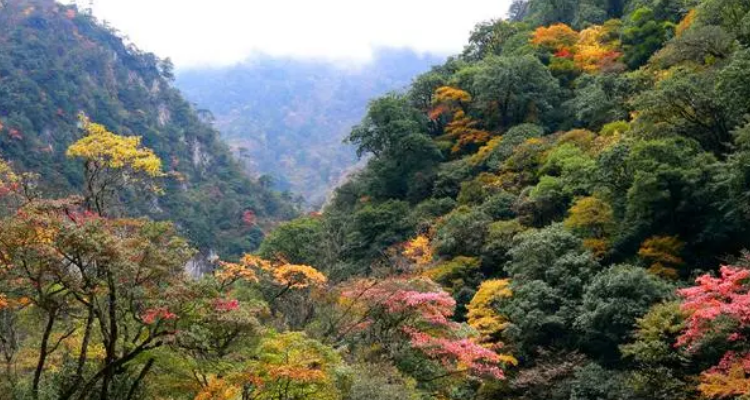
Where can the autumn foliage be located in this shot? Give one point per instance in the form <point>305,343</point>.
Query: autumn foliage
<point>719,307</point>
<point>461,129</point>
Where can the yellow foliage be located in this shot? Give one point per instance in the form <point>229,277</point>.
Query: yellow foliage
<point>419,251</point>
<point>218,389</point>
<point>663,253</point>
<point>448,93</point>
<point>482,315</point>
<point>253,268</point>
<point>597,247</point>
<point>686,23</point>
<point>735,382</point>
<point>591,36</point>
<point>230,273</point>
<point>109,150</point>
<point>462,129</point>
<point>484,152</point>
<point>581,138</point>
<point>453,274</point>
<point>298,276</point>
<point>591,217</point>
<point>255,262</point>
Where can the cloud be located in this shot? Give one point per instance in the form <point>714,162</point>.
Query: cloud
<point>221,32</point>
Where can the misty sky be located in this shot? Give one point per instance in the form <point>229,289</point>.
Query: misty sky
<point>221,32</point>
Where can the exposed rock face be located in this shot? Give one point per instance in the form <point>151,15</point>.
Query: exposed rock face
<point>202,263</point>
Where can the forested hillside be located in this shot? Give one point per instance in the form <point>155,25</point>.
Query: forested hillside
<point>565,179</point>
<point>287,118</point>
<point>559,212</point>
<point>56,62</point>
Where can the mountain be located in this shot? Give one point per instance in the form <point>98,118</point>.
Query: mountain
<point>287,118</point>
<point>57,62</point>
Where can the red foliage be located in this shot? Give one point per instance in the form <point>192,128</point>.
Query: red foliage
<point>727,295</point>
<point>564,53</point>
<point>223,305</point>
<point>403,296</point>
<point>153,315</point>
<point>421,312</point>
<point>708,305</point>
<point>463,354</point>
<point>249,218</point>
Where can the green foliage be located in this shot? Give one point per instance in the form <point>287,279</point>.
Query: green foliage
<point>612,303</point>
<point>499,241</point>
<point>592,382</point>
<point>297,242</point>
<point>548,269</point>
<point>58,62</point>
<point>643,36</point>
<point>375,227</point>
<point>514,137</point>
<point>462,232</point>
<point>513,90</point>
<point>500,206</point>
<point>286,117</point>
<point>521,211</point>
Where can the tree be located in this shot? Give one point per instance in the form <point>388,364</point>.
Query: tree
<point>663,371</point>
<point>389,120</point>
<point>701,45</point>
<point>112,161</point>
<point>663,255</point>
<point>489,38</point>
<point>593,219</point>
<point>461,128</point>
<point>548,270</point>
<point>117,281</point>
<point>516,90</point>
<point>555,38</point>
<point>643,36</point>
<point>415,311</point>
<point>298,241</point>
<point>482,314</point>
<point>730,15</point>
<point>462,233</point>
<point>613,301</point>
<point>717,308</point>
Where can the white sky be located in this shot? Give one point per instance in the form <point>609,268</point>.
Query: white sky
<point>220,32</point>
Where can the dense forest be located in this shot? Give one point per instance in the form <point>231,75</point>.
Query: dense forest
<point>286,118</point>
<point>56,62</point>
<point>559,212</point>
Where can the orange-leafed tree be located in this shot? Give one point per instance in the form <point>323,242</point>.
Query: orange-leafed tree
<point>662,253</point>
<point>462,130</point>
<point>557,37</point>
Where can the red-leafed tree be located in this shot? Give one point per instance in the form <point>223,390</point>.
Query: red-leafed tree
<point>415,312</point>
<point>718,308</point>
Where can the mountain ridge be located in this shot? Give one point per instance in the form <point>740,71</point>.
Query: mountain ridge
<point>56,62</point>
<point>288,117</point>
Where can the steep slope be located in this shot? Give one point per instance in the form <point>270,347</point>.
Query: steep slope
<point>561,182</point>
<point>287,118</point>
<point>56,62</point>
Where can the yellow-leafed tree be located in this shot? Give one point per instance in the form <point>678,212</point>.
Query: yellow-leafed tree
<point>112,161</point>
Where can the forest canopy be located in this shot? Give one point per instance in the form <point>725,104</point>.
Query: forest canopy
<point>559,212</point>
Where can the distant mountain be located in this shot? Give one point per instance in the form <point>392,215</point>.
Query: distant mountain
<point>56,62</point>
<point>287,118</point>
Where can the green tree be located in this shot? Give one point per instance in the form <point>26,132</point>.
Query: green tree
<point>613,301</point>
<point>643,35</point>
<point>513,90</point>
